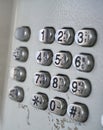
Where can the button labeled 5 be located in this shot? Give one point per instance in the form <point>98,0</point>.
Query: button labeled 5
<point>62,59</point>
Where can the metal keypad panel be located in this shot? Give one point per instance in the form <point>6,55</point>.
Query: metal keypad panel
<point>63,59</point>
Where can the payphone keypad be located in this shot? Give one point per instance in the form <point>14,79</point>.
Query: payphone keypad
<point>83,62</point>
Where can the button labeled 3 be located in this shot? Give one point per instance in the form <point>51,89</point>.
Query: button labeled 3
<point>58,106</point>
<point>86,37</point>
<point>78,112</point>
<point>83,62</point>
<point>40,101</point>
<point>80,87</point>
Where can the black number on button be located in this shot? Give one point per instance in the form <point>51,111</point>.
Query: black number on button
<point>78,61</point>
<point>58,59</point>
<point>39,57</point>
<point>80,37</point>
<point>55,82</point>
<point>60,36</point>
<point>52,105</point>
<point>74,87</point>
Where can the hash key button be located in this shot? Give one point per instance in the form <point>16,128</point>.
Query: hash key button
<point>78,112</point>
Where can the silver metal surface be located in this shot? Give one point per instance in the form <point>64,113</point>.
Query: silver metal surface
<point>23,33</point>
<point>80,87</point>
<point>44,57</point>
<point>83,62</point>
<point>58,106</point>
<point>60,83</point>
<point>86,37</point>
<point>78,112</point>
<point>18,73</point>
<point>40,101</point>
<point>42,79</point>
<point>47,35</point>
<point>16,94</point>
<point>62,59</point>
<point>64,36</point>
<point>21,54</point>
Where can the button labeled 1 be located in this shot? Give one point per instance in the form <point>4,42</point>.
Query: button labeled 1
<point>47,35</point>
<point>65,36</point>
<point>80,87</point>
<point>60,83</point>
<point>62,59</point>
<point>58,106</point>
<point>78,112</point>
<point>86,37</point>
<point>83,62</point>
<point>42,79</point>
<point>40,101</point>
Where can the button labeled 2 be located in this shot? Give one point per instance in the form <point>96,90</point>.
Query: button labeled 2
<point>65,36</point>
<point>86,37</point>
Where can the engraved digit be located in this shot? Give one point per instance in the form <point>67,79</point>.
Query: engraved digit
<point>80,37</point>
<point>78,61</point>
<point>52,105</point>
<point>55,82</point>
<point>57,59</point>
<point>74,86</point>
<point>37,79</point>
<point>39,57</point>
<point>42,35</point>
<point>60,35</point>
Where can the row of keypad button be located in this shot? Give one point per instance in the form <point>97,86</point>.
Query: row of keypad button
<point>85,37</point>
<point>80,86</point>
<point>57,105</point>
<point>63,59</point>
<point>76,111</point>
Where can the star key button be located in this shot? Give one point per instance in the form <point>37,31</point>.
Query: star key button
<point>40,101</point>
